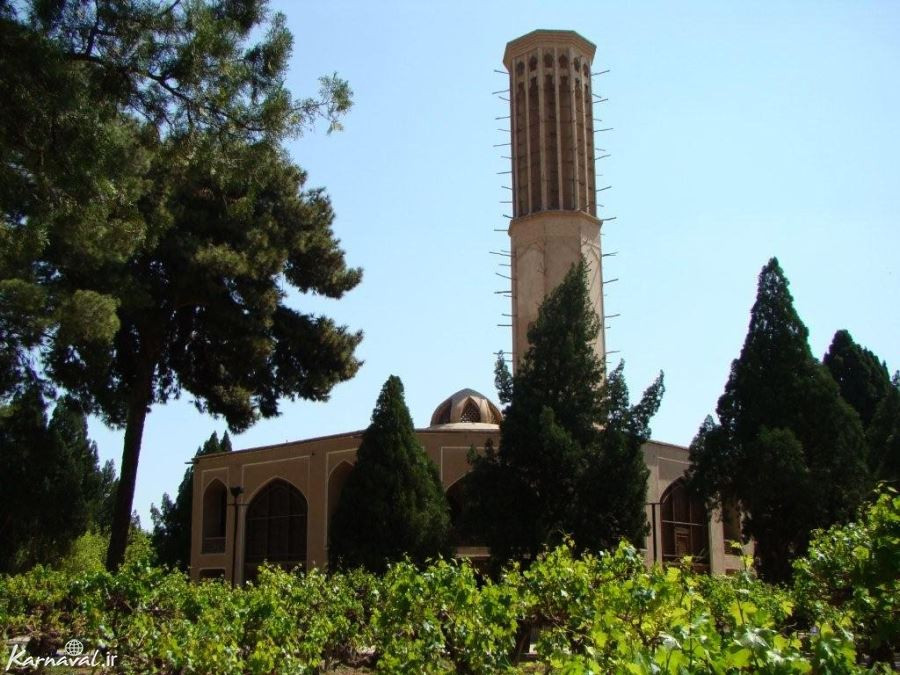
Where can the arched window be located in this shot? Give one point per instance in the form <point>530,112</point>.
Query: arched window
<point>456,500</point>
<point>276,528</point>
<point>336,487</point>
<point>215,503</point>
<point>685,528</point>
<point>731,525</point>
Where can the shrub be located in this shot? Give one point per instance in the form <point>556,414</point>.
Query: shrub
<point>852,572</point>
<point>597,613</point>
<point>440,619</point>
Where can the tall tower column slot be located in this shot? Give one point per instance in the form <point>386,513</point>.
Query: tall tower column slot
<point>554,219</point>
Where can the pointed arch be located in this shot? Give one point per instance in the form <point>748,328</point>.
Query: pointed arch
<point>471,412</point>
<point>456,498</point>
<point>685,526</point>
<point>215,514</point>
<point>336,482</point>
<point>275,527</point>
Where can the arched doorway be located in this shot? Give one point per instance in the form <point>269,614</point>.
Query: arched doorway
<point>685,526</point>
<point>336,482</point>
<point>215,503</point>
<point>456,495</point>
<point>275,528</point>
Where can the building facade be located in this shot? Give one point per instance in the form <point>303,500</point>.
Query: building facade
<point>275,503</point>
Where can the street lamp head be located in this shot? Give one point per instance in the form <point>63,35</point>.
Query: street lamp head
<point>236,491</point>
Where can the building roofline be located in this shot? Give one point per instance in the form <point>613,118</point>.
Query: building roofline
<point>273,446</point>
<point>351,434</point>
<point>346,434</point>
<point>670,445</point>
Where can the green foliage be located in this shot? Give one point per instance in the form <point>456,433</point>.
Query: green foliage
<point>883,435</point>
<point>171,535</point>
<point>151,223</point>
<point>442,619</point>
<point>853,571</point>
<point>89,89</point>
<point>863,380</point>
<point>786,447</point>
<point>866,385</point>
<point>568,428</point>
<point>609,613</point>
<point>53,489</point>
<point>392,505</point>
<point>584,613</point>
<point>86,554</point>
<point>98,484</point>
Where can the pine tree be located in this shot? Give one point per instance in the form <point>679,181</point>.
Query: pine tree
<point>171,536</point>
<point>392,504</point>
<point>570,459</point>
<point>787,448</point>
<point>152,224</point>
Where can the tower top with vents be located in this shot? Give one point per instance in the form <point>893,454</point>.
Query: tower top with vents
<point>544,38</point>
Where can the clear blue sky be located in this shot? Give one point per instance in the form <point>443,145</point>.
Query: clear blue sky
<point>741,131</point>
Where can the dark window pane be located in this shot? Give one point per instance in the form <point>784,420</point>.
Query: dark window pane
<point>684,525</point>
<point>276,525</point>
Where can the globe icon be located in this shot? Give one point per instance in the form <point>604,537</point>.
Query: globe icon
<point>74,648</point>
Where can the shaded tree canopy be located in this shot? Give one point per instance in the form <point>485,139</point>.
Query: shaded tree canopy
<point>863,380</point>
<point>171,534</point>
<point>883,435</point>
<point>152,225</point>
<point>866,385</point>
<point>786,446</point>
<point>570,459</point>
<point>392,505</point>
<point>90,89</point>
<point>52,486</point>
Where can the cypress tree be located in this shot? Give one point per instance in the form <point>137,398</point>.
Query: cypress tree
<point>883,435</point>
<point>866,385</point>
<point>787,448</point>
<point>51,485</point>
<point>98,485</point>
<point>863,380</point>
<point>171,536</point>
<point>392,504</point>
<point>570,459</point>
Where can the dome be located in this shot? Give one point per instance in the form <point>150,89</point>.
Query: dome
<point>466,406</point>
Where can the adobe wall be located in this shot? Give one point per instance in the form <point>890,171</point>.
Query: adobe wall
<point>317,468</point>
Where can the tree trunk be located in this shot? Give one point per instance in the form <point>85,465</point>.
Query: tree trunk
<point>131,450</point>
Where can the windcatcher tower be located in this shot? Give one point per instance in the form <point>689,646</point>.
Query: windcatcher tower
<point>554,218</point>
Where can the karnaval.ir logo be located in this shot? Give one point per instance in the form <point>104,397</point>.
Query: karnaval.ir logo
<point>71,656</point>
<point>74,648</point>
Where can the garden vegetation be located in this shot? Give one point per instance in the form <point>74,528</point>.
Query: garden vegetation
<point>567,612</point>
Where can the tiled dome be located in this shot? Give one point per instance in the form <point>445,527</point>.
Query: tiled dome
<point>466,406</point>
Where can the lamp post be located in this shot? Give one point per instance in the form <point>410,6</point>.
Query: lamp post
<point>236,491</point>
<point>653,506</point>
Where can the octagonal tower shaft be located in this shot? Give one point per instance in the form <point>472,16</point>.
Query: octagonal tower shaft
<point>554,219</point>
